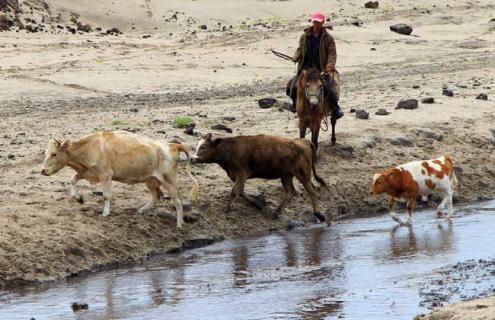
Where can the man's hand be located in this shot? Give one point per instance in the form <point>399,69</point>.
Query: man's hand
<point>329,69</point>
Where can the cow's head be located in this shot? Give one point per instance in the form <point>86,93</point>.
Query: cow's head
<point>206,149</point>
<point>386,181</point>
<point>55,157</point>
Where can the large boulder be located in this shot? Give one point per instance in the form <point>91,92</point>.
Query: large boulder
<point>408,104</point>
<point>371,5</point>
<point>401,28</point>
<point>5,23</point>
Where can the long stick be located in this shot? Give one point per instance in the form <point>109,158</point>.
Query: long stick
<point>281,55</point>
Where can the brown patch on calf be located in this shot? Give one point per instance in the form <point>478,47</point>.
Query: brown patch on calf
<point>430,184</point>
<point>446,168</point>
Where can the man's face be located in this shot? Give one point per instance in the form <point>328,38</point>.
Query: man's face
<point>317,25</point>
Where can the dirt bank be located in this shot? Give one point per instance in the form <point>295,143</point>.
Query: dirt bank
<point>473,310</point>
<point>64,86</point>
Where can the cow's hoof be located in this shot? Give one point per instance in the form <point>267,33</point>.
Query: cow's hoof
<point>320,217</point>
<point>105,214</point>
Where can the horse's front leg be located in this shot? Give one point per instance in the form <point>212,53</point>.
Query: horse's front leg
<point>315,132</point>
<point>302,129</point>
<point>333,121</point>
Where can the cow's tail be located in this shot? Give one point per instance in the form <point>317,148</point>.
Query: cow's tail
<point>453,180</point>
<point>453,177</point>
<point>313,162</point>
<point>195,188</point>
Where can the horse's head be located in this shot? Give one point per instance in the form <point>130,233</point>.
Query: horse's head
<point>313,87</point>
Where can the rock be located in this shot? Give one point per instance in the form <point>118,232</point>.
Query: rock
<point>415,86</point>
<point>408,104</point>
<point>447,92</point>
<point>198,242</point>
<point>371,5</point>
<point>401,141</point>
<point>428,134</point>
<point>5,23</point>
<point>482,96</point>
<point>79,306</point>
<point>361,114</point>
<point>221,127</point>
<point>356,22</point>
<point>401,28</point>
<point>10,156</point>
<point>146,36</point>
<point>352,110</point>
<point>284,105</point>
<point>266,103</point>
<point>190,129</point>
<point>428,100</point>
<point>203,27</point>
<point>345,151</point>
<point>294,224</point>
<point>382,112</point>
<point>32,29</point>
<point>84,27</point>
<point>228,118</point>
<point>113,31</point>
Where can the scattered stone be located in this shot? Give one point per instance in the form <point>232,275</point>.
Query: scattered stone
<point>146,36</point>
<point>401,28</point>
<point>408,104</point>
<point>79,306</point>
<point>352,110</point>
<point>190,129</point>
<point>428,134</point>
<point>294,224</point>
<point>31,28</point>
<point>114,31</point>
<point>372,49</point>
<point>415,86</point>
<point>5,23</point>
<point>284,105</point>
<point>447,92</point>
<point>84,27</point>
<point>221,127</point>
<point>228,118</point>
<point>382,112</point>
<point>401,141</point>
<point>371,5</point>
<point>345,151</point>
<point>356,22</point>
<point>203,27</point>
<point>482,96</point>
<point>10,156</point>
<point>361,114</point>
<point>266,103</point>
<point>428,100</point>
<point>198,242</point>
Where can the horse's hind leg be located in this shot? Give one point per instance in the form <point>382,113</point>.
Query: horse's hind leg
<point>333,121</point>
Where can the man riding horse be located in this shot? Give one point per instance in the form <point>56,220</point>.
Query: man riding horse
<point>316,50</point>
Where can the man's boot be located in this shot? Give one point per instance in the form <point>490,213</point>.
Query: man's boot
<point>335,105</point>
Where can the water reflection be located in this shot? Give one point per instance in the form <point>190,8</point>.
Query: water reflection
<point>405,243</point>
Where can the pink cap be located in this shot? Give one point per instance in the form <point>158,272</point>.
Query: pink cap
<point>318,17</point>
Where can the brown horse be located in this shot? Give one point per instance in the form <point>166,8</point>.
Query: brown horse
<point>312,103</point>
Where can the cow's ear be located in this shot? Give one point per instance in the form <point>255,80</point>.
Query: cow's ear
<point>207,137</point>
<point>217,141</point>
<point>65,145</point>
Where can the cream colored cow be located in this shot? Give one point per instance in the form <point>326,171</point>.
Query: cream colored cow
<point>124,157</point>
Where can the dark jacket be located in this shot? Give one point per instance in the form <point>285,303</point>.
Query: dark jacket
<point>328,52</point>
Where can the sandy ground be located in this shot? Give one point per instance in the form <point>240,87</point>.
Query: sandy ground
<point>481,309</point>
<point>56,84</point>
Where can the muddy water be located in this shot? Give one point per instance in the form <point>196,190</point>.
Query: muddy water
<point>359,269</point>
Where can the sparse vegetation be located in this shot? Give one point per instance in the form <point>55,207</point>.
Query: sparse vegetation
<point>183,122</point>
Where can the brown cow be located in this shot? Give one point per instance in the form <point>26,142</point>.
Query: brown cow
<point>265,157</point>
<point>120,156</point>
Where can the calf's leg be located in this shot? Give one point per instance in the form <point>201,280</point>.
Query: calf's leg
<point>290,191</point>
<point>238,188</point>
<point>305,179</point>
<point>107,195</point>
<point>73,188</point>
<point>411,202</point>
<point>441,206</point>
<point>154,188</point>
<point>391,210</point>
<point>450,206</point>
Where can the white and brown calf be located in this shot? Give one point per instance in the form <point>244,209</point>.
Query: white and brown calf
<point>407,181</point>
<point>121,156</point>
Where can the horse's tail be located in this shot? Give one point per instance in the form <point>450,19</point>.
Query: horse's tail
<point>313,162</point>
